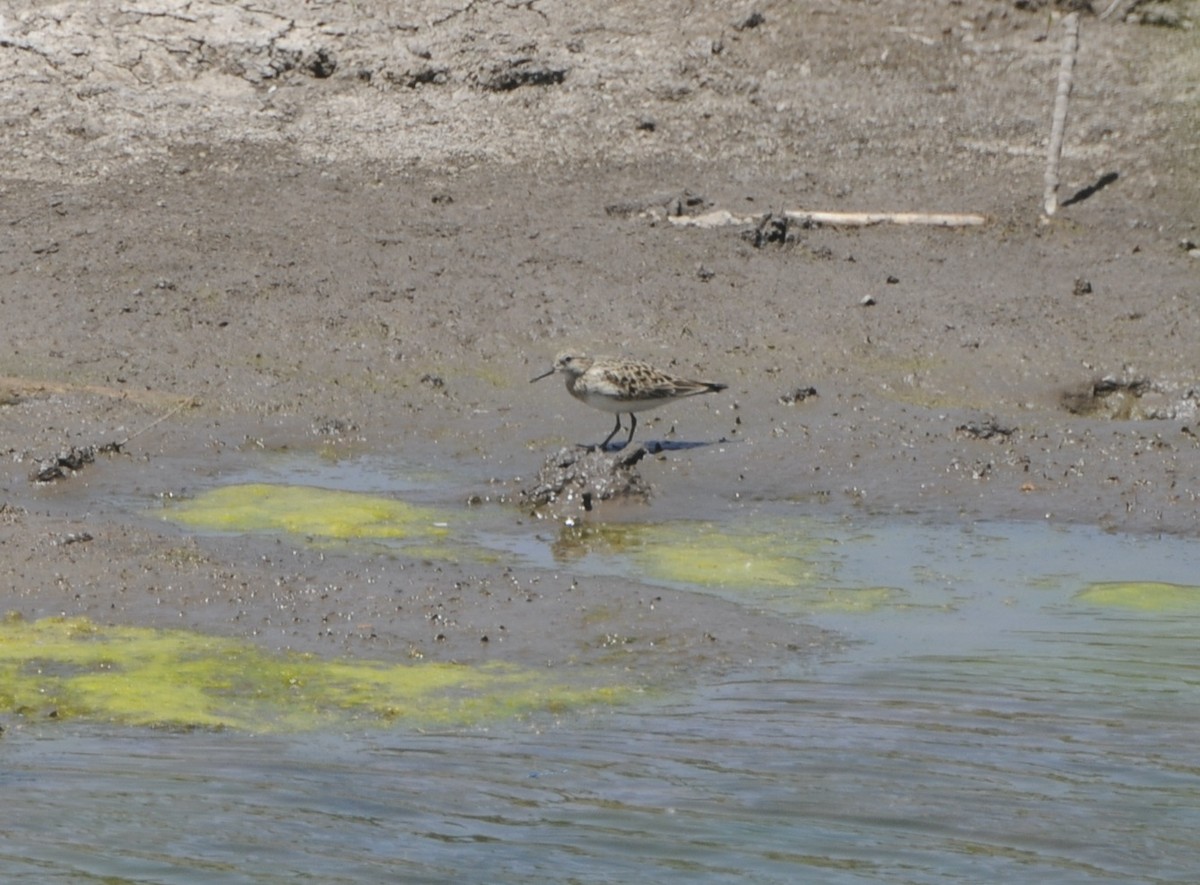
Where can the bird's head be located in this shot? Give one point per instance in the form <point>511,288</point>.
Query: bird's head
<point>569,363</point>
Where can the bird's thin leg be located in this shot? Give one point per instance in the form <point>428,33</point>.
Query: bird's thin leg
<point>632,428</point>
<point>608,438</point>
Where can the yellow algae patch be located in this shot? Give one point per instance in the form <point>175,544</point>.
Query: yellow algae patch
<point>72,668</point>
<point>755,557</point>
<point>1150,596</point>
<point>786,567</point>
<point>713,557</point>
<point>306,510</point>
<point>855,599</point>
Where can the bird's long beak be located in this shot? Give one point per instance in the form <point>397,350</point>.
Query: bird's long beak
<point>541,376</point>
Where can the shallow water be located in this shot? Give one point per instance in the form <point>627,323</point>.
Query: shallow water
<point>982,723</point>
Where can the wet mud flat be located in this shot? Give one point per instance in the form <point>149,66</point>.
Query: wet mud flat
<point>97,541</point>
<point>108,542</point>
<point>307,248</point>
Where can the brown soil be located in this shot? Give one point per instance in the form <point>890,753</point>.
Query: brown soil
<point>361,228</point>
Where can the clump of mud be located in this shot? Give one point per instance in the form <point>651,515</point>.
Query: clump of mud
<point>573,480</point>
<point>70,461</point>
<point>988,428</point>
<point>1136,399</point>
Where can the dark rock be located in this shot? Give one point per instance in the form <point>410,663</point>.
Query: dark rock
<point>753,20</point>
<point>986,429</point>
<point>771,228</point>
<point>320,64</point>
<point>799,395</point>
<point>522,72</point>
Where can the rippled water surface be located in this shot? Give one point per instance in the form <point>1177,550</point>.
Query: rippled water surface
<point>986,724</point>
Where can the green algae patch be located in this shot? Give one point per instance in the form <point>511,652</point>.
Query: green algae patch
<point>704,554</point>
<point>788,567</point>
<point>716,557</point>
<point>309,511</point>
<point>1148,596</point>
<point>783,566</point>
<point>70,668</point>
<point>856,599</point>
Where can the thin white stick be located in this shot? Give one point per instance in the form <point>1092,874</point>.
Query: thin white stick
<point>159,420</point>
<point>1058,124</point>
<point>1115,8</point>
<point>863,219</point>
<point>835,219</point>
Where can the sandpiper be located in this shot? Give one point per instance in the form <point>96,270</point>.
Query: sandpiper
<point>623,386</point>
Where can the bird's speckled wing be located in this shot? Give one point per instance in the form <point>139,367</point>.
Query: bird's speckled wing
<point>639,381</point>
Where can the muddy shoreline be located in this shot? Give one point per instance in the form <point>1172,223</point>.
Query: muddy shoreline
<point>312,259</point>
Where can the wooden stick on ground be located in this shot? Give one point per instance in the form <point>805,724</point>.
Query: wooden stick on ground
<point>864,219</point>
<point>1058,124</point>
<point>835,219</point>
<point>1117,8</point>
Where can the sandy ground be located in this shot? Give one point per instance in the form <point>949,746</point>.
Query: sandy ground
<point>361,228</point>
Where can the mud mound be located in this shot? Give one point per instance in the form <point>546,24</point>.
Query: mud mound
<point>573,480</point>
